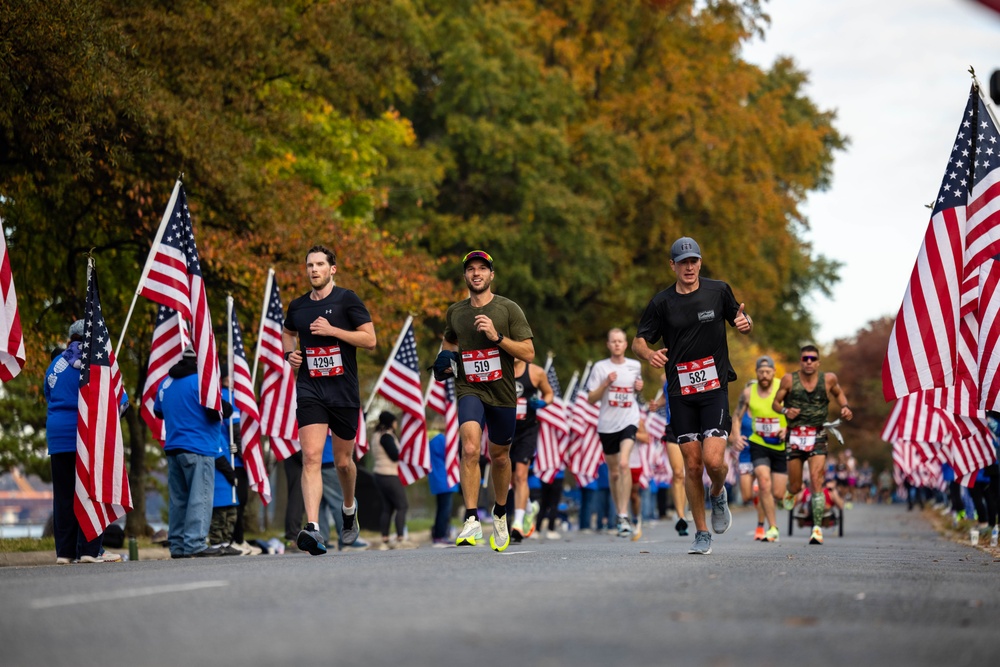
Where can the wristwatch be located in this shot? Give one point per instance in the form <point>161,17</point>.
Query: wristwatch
<point>499,338</point>
<point>288,354</point>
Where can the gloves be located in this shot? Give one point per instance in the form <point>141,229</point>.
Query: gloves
<point>446,361</point>
<point>536,403</point>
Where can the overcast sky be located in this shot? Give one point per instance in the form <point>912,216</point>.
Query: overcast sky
<point>895,71</point>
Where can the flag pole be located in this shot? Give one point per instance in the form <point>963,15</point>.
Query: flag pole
<point>229,381</point>
<point>149,262</point>
<point>385,368</point>
<point>260,329</point>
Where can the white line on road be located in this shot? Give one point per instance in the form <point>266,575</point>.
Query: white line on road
<point>515,553</point>
<point>65,600</point>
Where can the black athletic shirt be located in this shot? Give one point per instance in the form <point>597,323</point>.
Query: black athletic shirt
<point>693,327</point>
<point>343,309</point>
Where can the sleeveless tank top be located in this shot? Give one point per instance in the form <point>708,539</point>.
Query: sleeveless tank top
<point>814,406</point>
<point>766,422</point>
<point>525,390</point>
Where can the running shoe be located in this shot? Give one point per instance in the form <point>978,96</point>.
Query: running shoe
<point>552,535</point>
<point>789,501</point>
<point>758,535</point>
<point>500,539</point>
<point>637,531</point>
<point>624,527</point>
<point>529,517</point>
<point>722,518</point>
<point>106,557</point>
<point>405,544</point>
<point>208,552</point>
<point>516,534</point>
<point>817,536</point>
<point>682,527</point>
<point>702,543</point>
<point>351,527</point>
<point>471,531</point>
<point>62,560</point>
<point>772,534</point>
<point>310,540</point>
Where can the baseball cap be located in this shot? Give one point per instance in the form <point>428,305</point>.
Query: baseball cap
<point>683,248</point>
<point>765,361</point>
<point>76,329</point>
<point>478,254</point>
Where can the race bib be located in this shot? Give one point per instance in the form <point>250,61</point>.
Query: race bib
<point>802,438</point>
<point>698,376</point>
<point>482,365</point>
<point>324,361</point>
<point>620,397</point>
<point>521,410</point>
<point>766,427</point>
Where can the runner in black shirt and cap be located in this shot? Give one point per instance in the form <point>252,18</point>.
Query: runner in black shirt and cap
<point>690,316</point>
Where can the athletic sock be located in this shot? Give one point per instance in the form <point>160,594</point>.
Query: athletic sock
<point>518,517</point>
<point>818,507</point>
<point>499,510</point>
<point>349,511</point>
<point>471,513</point>
<point>312,526</point>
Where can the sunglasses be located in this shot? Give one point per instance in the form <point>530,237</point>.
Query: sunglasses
<point>810,358</point>
<point>477,254</point>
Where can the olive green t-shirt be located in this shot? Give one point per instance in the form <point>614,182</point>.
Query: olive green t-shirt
<point>478,355</point>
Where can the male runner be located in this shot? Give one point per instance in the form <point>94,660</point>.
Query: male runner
<point>767,441</point>
<point>529,381</point>
<point>614,382</point>
<point>739,440</point>
<point>483,335</point>
<point>322,332</point>
<point>676,460</point>
<point>690,316</point>
<point>804,399</point>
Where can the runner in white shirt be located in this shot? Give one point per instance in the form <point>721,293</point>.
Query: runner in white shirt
<point>614,382</point>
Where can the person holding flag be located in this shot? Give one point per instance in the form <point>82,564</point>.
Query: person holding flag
<point>323,330</point>
<point>482,337</point>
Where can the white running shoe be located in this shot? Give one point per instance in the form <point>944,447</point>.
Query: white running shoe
<point>500,539</point>
<point>471,531</point>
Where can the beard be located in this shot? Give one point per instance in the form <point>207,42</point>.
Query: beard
<point>478,290</point>
<point>320,283</point>
<point>765,384</point>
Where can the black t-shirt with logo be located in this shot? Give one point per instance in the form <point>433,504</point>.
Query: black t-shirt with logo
<point>325,374</point>
<point>693,328</point>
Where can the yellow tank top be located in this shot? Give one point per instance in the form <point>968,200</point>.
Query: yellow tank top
<point>766,422</point>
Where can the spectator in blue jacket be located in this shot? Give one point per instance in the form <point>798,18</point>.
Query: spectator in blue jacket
<point>438,480</point>
<point>191,446</point>
<point>62,393</point>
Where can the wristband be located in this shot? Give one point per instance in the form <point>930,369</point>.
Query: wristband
<point>288,354</point>
<point>499,338</point>
<point>784,411</point>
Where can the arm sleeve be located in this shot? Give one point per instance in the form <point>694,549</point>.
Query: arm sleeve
<point>649,324</point>
<point>519,328</point>
<point>223,466</point>
<point>389,445</point>
<point>449,331</point>
<point>357,312</point>
<point>730,306</point>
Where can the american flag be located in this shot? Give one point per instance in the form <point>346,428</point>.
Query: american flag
<point>988,344</point>
<point>102,490</point>
<point>441,399</point>
<point>553,432</point>
<point>277,389</point>
<point>11,337</point>
<point>585,452</point>
<point>400,385</point>
<point>170,337</point>
<point>246,403</point>
<point>172,277</point>
<point>964,232</point>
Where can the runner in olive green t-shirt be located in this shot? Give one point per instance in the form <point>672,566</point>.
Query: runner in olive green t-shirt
<point>483,334</point>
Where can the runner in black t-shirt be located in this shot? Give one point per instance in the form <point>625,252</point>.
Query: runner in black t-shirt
<point>690,316</point>
<point>323,329</point>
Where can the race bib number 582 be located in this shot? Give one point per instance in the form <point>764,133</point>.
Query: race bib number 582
<point>698,376</point>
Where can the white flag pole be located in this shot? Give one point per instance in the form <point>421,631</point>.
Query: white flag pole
<point>385,368</point>
<point>149,261</point>
<point>232,399</point>
<point>260,329</point>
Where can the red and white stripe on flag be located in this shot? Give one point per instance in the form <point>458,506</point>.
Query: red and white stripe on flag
<point>170,337</point>
<point>11,336</point>
<point>585,451</point>
<point>988,345</point>
<point>361,440</point>
<point>102,489</point>
<point>277,389</point>
<point>441,399</point>
<point>400,386</point>
<point>172,278</point>
<point>553,440</point>
<point>244,400</point>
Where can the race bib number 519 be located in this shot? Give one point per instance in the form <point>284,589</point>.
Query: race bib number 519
<point>482,365</point>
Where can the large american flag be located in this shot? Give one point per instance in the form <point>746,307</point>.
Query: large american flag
<point>172,277</point>
<point>277,389</point>
<point>102,490</point>
<point>170,337</point>
<point>553,432</point>
<point>964,232</point>
<point>11,337</point>
<point>400,385</point>
<point>585,452</point>
<point>441,399</point>
<point>246,403</point>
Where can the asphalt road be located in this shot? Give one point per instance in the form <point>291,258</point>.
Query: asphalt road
<point>891,591</point>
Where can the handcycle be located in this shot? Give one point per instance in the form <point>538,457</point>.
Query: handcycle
<point>801,512</point>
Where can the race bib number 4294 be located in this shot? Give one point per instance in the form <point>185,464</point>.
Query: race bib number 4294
<point>324,361</point>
